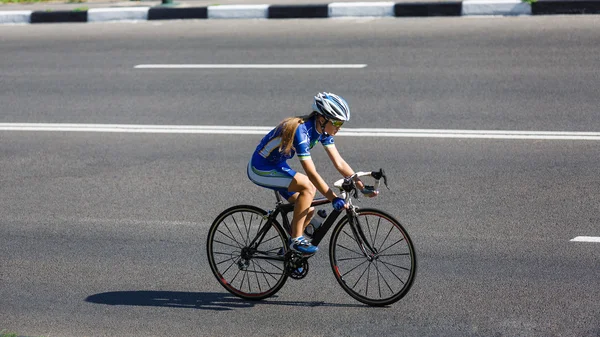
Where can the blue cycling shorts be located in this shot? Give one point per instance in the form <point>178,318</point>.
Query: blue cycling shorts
<point>277,177</point>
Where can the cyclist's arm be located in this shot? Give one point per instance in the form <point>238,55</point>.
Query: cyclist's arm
<point>311,171</point>
<point>340,164</point>
<point>343,167</point>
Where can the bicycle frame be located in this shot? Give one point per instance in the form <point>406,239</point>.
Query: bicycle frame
<point>283,209</point>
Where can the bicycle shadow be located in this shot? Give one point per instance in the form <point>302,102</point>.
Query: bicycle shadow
<point>192,300</point>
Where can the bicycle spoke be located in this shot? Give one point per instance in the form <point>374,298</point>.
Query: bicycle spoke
<point>274,237</point>
<point>266,252</point>
<point>391,271</point>
<point>378,283</point>
<point>384,280</point>
<point>232,239</point>
<point>274,265</point>
<point>350,250</point>
<point>257,281</point>
<point>376,232</point>
<point>238,227</point>
<point>230,232</point>
<point>369,228</point>
<point>248,277</point>
<point>244,274</point>
<point>361,275</point>
<point>368,275</point>
<point>399,254</point>
<point>385,264</point>
<point>221,253</point>
<point>229,259</point>
<point>231,265</point>
<point>351,258</point>
<point>350,236</point>
<point>393,244</point>
<point>265,273</point>
<point>386,237</point>
<point>235,276</point>
<point>349,271</point>
<point>246,226</point>
<point>248,230</point>
<point>226,244</point>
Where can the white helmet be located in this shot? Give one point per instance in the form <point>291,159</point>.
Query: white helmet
<point>331,106</point>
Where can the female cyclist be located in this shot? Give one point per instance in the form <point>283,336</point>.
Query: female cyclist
<point>297,135</point>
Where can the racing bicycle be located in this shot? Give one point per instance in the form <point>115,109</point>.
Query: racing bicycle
<point>371,254</point>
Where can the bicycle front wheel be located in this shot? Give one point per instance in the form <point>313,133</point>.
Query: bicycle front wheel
<point>382,276</point>
<point>247,271</point>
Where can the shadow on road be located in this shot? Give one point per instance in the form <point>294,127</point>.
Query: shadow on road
<point>206,301</point>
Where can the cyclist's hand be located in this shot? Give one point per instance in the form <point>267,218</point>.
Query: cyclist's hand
<point>369,191</point>
<point>338,203</point>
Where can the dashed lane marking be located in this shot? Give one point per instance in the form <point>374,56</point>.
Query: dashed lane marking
<point>586,239</point>
<point>250,66</point>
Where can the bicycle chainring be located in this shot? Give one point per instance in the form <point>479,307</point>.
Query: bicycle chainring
<point>296,266</point>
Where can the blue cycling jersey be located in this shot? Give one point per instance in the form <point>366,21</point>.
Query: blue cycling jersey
<point>267,152</point>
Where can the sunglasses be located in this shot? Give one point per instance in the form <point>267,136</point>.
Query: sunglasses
<point>337,124</point>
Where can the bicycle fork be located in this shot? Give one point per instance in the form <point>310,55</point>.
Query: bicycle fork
<point>369,251</point>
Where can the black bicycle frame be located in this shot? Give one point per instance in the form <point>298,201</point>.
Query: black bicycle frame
<point>283,209</point>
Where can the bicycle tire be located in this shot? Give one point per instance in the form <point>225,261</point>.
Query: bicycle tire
<point>395,256</point>
<point>230,233</point>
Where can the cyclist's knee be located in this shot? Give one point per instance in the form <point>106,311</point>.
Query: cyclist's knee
<point>309,192</point>
<point>303,185</point>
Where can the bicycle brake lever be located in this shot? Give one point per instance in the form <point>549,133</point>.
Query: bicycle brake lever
<point>379,175</point>
<point>384,178</point>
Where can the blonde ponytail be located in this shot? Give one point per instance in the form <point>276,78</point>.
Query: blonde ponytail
<point>288,129</point>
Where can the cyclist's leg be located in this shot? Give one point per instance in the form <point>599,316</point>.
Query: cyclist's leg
<point>283,179</point>
<point>305,194</point>
<point>311,210</point>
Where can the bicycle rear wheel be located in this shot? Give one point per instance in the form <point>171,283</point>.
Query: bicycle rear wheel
<point>252,273</point>
<point>387,274</point>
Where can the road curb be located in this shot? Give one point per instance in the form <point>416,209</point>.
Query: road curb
<point>331,10</point>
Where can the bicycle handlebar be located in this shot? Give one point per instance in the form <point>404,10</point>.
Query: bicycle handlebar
<point>348,185</point>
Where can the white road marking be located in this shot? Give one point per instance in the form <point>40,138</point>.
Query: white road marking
<point>134,128</point>
<point>250,66</point>
<point>256,130</point>
<point>487,134</point>
<point>586,239</point>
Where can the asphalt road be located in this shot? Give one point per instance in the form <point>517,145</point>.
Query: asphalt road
<point>103,234</point>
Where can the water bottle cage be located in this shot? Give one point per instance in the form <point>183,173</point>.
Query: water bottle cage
<point>316,222</point>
